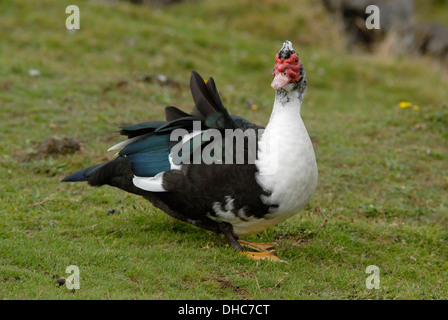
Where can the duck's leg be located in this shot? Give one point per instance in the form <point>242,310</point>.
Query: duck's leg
<point>235,243</point>
<point>262,252</point>
<point>265,255</point>
<point>226,229</point>
<point>260,247</point>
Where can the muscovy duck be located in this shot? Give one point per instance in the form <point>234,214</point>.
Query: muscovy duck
<point>227,197</point>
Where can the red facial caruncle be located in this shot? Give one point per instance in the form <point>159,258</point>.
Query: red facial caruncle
<point>286,70</point>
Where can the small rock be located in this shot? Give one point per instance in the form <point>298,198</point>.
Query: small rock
<point>34,72</point>
<point>113,211</point>
<point>61,281</point>
<point>160,79</point>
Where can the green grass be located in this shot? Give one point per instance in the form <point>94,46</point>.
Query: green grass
<point>383,179</point>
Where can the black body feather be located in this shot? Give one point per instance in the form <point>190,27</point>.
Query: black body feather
<point>194,190</point>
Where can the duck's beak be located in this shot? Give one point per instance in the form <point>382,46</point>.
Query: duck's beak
<point>279,81</point>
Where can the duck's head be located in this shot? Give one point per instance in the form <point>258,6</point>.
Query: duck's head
<point>289,72</point>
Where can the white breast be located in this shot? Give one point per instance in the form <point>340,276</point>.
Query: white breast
<point>287,169</point>
<point>287,143</point>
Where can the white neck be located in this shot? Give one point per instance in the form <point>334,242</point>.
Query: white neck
<point>287,103</point>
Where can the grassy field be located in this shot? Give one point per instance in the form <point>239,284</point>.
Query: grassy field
<point>382,197</point>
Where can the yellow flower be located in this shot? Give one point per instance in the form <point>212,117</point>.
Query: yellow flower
<point>415,107</point>
<point>254,107</point>
<point>404,104</point>
<point>198,21</point>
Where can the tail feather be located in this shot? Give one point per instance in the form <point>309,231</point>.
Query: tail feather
<point>173,113</point>
<point>116,173</point>
<point>111,172</point>
<point>208,103</point>
<point>83,174</point>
